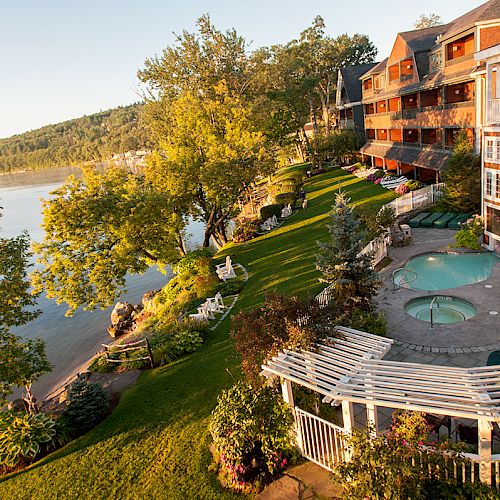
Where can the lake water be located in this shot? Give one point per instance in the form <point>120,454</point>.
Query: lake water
<point>69,341</point>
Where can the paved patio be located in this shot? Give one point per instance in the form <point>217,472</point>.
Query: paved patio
<point>464,344</point>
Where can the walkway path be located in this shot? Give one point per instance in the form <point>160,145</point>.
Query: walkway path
<point>306,481</point>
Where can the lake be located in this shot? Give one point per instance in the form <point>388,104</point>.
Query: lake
<point>69,341</point>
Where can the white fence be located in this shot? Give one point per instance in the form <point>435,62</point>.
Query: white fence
<point>377,248</point>
<point>417,199</point>
<point>319,440</point>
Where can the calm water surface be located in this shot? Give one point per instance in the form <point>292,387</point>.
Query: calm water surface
<point>69,341</point>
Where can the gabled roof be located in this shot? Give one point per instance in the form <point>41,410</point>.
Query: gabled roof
<point>378,68</point>
<point>350,77</point>
<point>486,12</point>
<point>422,40</point>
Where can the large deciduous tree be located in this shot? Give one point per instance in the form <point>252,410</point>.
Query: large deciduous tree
<point>206,125</point>
<point>98,229</point>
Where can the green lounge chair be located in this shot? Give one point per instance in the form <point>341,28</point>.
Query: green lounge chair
<point>429,221</point>
<point>415,222</point>
<point>456,223</point>
<point>493,358</point>
<point>442,222</point>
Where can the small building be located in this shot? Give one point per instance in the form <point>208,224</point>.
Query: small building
<point>426,91</point>
<point>489,60</point>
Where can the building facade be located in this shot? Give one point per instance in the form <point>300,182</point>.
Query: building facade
<point>348,98</point>
<point>489,60</point>
<point>428,89</point>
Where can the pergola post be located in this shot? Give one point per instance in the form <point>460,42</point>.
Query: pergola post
<point>372,418</point>
<point>286,389</point>
<point>348,416</point>
<point>484,450</point>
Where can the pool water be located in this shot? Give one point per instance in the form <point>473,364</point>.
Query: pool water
<point>440,271</point>
<point>445,309</point>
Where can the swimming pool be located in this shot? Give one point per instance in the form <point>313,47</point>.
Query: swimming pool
<point>441,271</point>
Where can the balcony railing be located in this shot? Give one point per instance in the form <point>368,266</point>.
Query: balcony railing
<point>457,60</point>
<point>493,111</point>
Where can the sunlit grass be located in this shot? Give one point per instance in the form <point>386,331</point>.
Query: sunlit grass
<point>155,444</point>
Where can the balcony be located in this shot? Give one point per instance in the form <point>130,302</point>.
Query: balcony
<point>458,60</point>
<point>493,112</point>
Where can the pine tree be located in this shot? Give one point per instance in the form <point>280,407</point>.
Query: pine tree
<point>462,176</point>
<point>354,280</point>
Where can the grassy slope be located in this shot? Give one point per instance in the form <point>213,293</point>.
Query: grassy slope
<point>155,444</point>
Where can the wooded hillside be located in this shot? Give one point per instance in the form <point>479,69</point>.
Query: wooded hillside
<point>89,138</point>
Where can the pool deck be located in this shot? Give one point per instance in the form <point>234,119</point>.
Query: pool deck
<point>462,344</point>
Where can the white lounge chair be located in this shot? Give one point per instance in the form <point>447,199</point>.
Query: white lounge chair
<point>286,212</point>
<point>225,271</point>
<point>203,315</point>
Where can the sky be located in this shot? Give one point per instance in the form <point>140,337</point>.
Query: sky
<point>63,59</point>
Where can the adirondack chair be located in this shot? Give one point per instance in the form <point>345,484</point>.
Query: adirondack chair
<point>266,225</point>
<point>225,271</point>
<point>286,212</point>
<point>202,315</point>
<point>274,221</point>
<point>216,304</point>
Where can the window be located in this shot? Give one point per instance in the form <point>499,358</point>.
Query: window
<point>394,72</point>
<point>493,220</point>
<point>368,84</point>
<point>489,183</point>
<point>489,149</point>
<point>498,149</point>
<point>497,185</point>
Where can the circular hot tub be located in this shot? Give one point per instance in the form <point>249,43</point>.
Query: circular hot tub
<point>443,309</point>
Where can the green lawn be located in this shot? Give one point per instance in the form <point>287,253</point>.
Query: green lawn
<point>155,444</point>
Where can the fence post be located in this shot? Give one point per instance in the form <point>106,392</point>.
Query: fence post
<point>150,353</point>
<point>484,449</point>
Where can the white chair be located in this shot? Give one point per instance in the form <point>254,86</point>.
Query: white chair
<point>216,304</point>
<point>274,221</point>
<point>225,271</point>
<point>201,316</point>
<point>266,225</point>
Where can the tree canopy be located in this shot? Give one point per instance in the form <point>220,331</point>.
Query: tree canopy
<point>462,177</point>
<point>98,229</point>
<point>428,21</point>
<point>209,146</point>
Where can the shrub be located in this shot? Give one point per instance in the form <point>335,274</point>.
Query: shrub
<point>101,365</point>
<point>414,185</point>
<point>245,231</point>
<point>279,323</point>
<point>270,210</point>
<point>468,237</point>
<point>396,465</point>
<point>367,321</point>
<point>194,263</point>
<point>385,218</point>
<point>87,404</point>
<point>177,339</point>
<point>231,287</point>
<point>251,431</point>
<point>286,199</point>
<point>23,436</point>
<point>402,189</point>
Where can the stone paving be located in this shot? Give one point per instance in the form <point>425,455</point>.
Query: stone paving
<point>306,481</point>
<point>477,336</point>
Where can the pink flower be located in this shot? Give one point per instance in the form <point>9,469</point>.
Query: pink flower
<point>420,443</point>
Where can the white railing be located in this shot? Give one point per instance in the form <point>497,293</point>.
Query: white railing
<point>377,248</point>
<point>417,199</point>
<point>319,440</point>
<point>493,111</point>
<point>324,297</point>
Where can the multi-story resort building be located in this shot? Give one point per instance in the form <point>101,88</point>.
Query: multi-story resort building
<point>489,60</point>
<point>427,90</point>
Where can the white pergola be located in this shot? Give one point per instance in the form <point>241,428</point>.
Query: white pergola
<point>350,369</point>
